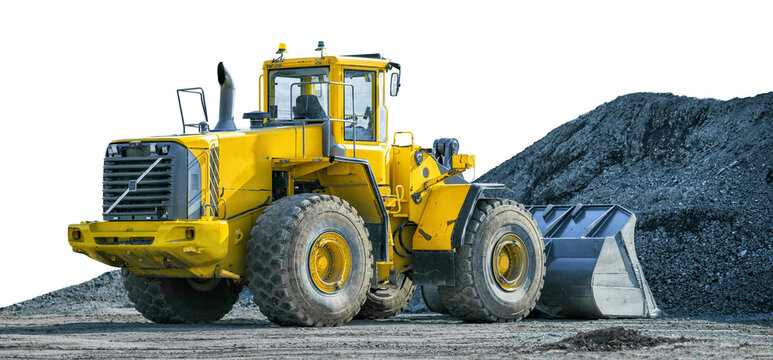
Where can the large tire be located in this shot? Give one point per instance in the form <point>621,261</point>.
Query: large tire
<point>287,287</point>
<point>175,301</point>
<point>433,300</point>
<point>499,233</point>
<point>387,303</point>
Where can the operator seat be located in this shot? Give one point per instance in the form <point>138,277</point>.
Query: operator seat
<point>363,127</point>
<point>308,107</point>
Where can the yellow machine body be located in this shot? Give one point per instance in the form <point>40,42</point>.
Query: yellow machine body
<point>181,210</point>
<point>244,171</point>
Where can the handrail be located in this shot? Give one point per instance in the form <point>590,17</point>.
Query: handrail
<point>394,137</point>
<point>260,92</point>
<point>199,91</point>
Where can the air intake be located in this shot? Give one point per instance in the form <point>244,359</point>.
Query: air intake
<point>225,121</point>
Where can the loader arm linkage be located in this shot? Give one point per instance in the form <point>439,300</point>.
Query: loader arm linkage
<point>460,163</point>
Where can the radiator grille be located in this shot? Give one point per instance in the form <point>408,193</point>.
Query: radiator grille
<point>149,198</point>
<point>162,193</point>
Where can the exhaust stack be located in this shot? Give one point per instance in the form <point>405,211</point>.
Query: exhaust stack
<point>225,121</point>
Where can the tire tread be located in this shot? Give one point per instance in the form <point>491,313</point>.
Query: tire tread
<point>156,305</point>
<point>463,300</point>
<point>269,271</point>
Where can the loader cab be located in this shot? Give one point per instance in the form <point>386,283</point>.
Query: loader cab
<point>350,90</point>
<point>303,93</point>
<point>347,91</point>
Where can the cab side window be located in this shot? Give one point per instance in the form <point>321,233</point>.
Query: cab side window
<point>364,105</point>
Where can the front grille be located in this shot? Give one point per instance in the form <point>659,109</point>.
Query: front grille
<point>152,192</point>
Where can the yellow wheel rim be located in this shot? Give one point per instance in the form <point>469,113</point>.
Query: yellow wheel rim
<point>330,262</point>
<point>510,262</point>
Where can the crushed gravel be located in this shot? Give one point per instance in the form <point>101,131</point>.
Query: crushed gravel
<point>417,305</point>
<point>102,294</point>
<point>245,333</point>
<point>614,338</point>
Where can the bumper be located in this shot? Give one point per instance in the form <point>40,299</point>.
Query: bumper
<point>182,248</point>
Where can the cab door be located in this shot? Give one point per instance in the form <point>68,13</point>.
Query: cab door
<point>363,104</point>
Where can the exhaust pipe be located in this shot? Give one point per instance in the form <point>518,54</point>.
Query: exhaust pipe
<point>225,121</point>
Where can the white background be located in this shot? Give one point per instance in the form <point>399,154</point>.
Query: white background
<point>497,76</point>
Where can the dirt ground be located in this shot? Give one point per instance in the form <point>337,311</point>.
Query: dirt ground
<point>245,333</point>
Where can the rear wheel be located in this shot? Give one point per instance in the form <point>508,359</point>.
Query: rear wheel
<point>433,300</point>
<point>387,303</point>
<point>500,267</point>
<point>174,301</point>
<point>309,261</point>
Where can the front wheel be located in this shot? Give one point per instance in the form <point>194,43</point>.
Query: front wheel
<point>174,301</point>
<point>500,267</point>
<point>309,261</point>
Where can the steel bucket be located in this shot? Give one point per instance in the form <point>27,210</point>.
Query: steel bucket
<point>592,267</point>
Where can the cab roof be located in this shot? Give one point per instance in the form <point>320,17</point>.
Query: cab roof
<point>368,60</point>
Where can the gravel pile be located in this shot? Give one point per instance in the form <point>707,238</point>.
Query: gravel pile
<point>698,174</point>
<point>103,294</point>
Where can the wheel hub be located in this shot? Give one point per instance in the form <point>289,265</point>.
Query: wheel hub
<point>330,262</point>
<point>509,262</point>
<point>203,285</point>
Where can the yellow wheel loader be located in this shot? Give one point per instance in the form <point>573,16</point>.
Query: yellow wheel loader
<point>326,218</point>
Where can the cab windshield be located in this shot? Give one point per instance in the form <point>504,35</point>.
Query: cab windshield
<point>298,93</point>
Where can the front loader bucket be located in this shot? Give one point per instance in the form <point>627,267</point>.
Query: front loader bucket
<point>592,270</point>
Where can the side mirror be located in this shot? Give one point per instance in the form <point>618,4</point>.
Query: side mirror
<point>394,84</point>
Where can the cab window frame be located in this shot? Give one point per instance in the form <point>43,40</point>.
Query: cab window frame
<point>375,102</point>
<point>326,106</point>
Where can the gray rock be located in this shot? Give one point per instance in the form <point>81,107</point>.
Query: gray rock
<point>417,305</point>
<point>104,293</point>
